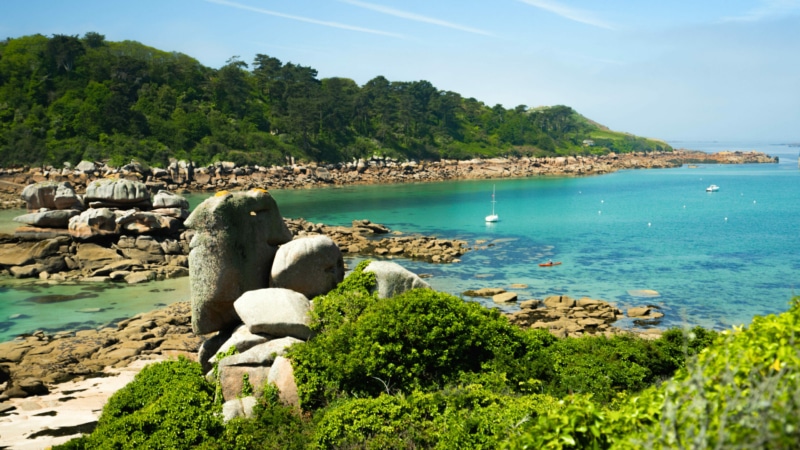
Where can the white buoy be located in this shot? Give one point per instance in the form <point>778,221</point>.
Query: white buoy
<point>648,224</point>
<point>754,202</point>
<point>726,219</point>
<point>599,212</point>
<point>602,201</point>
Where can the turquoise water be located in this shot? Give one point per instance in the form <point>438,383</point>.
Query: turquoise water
<point>716,259</point>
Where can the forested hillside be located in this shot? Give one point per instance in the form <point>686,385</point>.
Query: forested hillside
<point>68,98</point>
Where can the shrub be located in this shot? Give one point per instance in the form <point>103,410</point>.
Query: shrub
<point>167,405</point>
<point>419,340</point>
<point>471,414</point>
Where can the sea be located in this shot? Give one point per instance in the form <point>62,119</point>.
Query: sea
<point>646,237</point>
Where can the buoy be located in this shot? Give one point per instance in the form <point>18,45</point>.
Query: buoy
<point>648,224</point>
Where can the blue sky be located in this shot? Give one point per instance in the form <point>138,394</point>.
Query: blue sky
<point>676,70</point>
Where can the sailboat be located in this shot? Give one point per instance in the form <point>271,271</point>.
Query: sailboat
<point>492,217</point>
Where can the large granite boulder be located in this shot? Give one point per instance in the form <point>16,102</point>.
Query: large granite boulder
<point>109,192</point>
<point>235,241</point>
<point>93,222</point>
<point>54,218</point>
<point>50,195</point>
<point>393,279</point>
<point>310,265</point>
<point>275,311</point>
<point>93,256</point>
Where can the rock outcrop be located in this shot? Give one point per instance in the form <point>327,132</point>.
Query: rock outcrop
<point>311,265</point>
<point>235,241</point>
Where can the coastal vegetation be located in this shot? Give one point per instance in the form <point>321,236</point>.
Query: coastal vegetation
<point>428,370</point>
<point>69,98</point>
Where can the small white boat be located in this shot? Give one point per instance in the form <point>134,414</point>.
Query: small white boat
<point>712,188</point>
<point>492,217</point>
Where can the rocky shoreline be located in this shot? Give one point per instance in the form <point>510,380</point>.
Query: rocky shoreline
<point>184,176</point>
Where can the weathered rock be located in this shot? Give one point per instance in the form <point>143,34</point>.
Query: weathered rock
<point>48,219</point>
<point>242,339</point>
<point>93,222</point>
<point>93,256</point>
<point>28,271</point>
<point>505,297</point>
<point>50,195</point>
<point>485,292</point>
<point>146,222</point>
<point>281,374</point>
<point>86,167</point>
<point>116,191</point>
<point>22,253</point>
<point>167,199</point>
<point>140,277</point>
<point>639,311</point>
<point>393,279</point>
<point>239,407</point>
<point>275,311</point>
<point>231,253</point>
<point>261,354</point>
<point>310,265</point>
<point>558,301</point>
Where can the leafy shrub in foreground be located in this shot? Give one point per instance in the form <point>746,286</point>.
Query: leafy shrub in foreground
<point>167,405</point>
<point>465,415</point>
<point>604,366</point>
<point>742,391</point>
<point>275,427</point>
<point>419,340</point>
<point>346,302</point>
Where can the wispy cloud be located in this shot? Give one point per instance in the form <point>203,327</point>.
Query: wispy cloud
<point>415,17</point>
<point>323,23</point>
<point>767,10</point>
<point>566,12</point>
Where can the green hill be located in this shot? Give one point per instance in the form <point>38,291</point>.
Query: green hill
<point>67,98</point>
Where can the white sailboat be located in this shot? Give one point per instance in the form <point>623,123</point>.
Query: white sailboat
<point>492,217</point>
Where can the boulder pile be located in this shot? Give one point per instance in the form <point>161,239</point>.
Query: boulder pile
<point>115,231</point>
<point>564,316</point>
<point>252,286</point>
<point>365,237</point>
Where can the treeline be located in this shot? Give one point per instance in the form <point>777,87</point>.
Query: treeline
<point>68,98</point>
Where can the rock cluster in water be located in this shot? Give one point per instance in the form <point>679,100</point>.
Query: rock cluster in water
<point>115,231</point>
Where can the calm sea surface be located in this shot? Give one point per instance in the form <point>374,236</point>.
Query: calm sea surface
<point>715,259</point>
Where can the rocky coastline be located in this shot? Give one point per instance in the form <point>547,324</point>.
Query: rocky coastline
<point>185,176</point>
<point>233,306</point>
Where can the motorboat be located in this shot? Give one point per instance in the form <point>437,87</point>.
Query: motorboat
<point>712,188</point>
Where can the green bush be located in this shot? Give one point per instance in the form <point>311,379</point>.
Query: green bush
<point>741,391</point>
<point>167,405</point>
<point>275,427</point>
<point>419,340</point>
<point>472,414</point>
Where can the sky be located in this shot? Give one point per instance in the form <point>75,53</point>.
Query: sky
<point>675,70</point>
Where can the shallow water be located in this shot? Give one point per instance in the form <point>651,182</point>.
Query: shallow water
<point>714,259</point>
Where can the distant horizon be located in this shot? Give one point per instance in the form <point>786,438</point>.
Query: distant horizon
<point>721,71</point>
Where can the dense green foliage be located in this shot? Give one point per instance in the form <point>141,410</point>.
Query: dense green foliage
<point>65,98</point>
<point>168,405</point>
<point>427,370</point>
